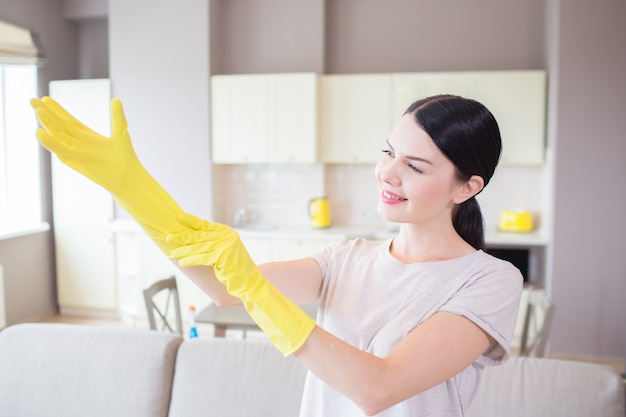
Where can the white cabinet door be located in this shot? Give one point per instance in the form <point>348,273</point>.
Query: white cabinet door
<point>240,119</point>
<point>260,249</point>
<point>355,117</point>
<point>293,123</point>
<point>410,87</point>
<point>264,118</point>
<point>85,270</point>
<point>82,210</point>
<point>264,249</point>
<point>286,249</point>
<point>517,100</point>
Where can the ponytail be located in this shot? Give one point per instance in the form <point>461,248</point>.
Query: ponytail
<point>468,223</point>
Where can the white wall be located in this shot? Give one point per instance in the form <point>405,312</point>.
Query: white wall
<point>159,67</point>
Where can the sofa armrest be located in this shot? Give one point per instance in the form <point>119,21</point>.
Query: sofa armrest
<point>69,370</point>
<point>541,387</point>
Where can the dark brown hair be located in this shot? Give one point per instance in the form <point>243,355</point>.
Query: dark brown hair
<point>468,135</point>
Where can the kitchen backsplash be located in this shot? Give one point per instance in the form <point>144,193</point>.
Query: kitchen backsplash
<point>279,194</point>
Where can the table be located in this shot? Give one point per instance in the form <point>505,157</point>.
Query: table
<point>236,317</point>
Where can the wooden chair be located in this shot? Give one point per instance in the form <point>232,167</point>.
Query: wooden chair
<point>157,309</point>
<point>537,323</point>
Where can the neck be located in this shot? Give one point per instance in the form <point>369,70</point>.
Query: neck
<point>414,244</point>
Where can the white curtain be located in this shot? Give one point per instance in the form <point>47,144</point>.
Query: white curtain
<point>19,45</point>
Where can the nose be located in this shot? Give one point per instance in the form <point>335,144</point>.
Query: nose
<point>386,171</point>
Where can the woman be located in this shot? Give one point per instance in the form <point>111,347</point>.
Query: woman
<point>405,325</point>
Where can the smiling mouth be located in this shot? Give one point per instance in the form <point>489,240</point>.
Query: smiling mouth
<point>393,196</point>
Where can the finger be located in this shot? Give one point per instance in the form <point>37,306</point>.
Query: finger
<point>195,260</point>
<point>182,238</point>
<point>194,222</point>
<point>205,248</point>
<point>48,141</point>
<point>69,123</point>
<point>68,136</point>
<point>190,237</point>
<point>51,135</point>
<point>119,124</point>
<point>35,103</point>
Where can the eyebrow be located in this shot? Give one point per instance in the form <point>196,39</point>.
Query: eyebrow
<point>412,158</point>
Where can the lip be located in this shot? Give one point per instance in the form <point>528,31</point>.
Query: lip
<point>388,197</point>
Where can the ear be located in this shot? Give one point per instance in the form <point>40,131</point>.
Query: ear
<point>469,189</point>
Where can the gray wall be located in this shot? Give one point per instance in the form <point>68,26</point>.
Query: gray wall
<point>582,45</point>
<point>589,270</point>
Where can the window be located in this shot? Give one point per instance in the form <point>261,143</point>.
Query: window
<point>20,192</point>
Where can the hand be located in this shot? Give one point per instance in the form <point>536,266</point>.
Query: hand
<point>216,245</point>
<point>106,161</point>
<point>111,163</point>
<point>286,325</point>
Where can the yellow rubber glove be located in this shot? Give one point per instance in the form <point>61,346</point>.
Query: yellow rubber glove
<point>286,324</point>
<point>111,163</point>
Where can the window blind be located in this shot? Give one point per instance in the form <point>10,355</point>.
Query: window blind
<point>19,45</point>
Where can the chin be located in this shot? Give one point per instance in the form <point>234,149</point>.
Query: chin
<point>385,214</point>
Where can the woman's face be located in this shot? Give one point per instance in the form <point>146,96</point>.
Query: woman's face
<point>417,182</point>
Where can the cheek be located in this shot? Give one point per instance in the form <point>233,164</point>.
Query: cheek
<point>432,191</point>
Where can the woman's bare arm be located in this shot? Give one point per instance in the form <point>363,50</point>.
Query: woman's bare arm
<point>432,353</point>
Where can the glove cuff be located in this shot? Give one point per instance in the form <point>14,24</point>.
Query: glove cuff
<point>285,324</point>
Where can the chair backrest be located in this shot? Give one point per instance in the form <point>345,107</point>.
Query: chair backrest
<point>537,323</point>
<point>160,310</point>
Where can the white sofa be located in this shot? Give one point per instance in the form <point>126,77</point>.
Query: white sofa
<point>68,370</point>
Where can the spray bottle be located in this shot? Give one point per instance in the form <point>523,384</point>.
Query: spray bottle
<point>193,329</point>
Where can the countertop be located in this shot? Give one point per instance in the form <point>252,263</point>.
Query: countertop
<point>493,238</point>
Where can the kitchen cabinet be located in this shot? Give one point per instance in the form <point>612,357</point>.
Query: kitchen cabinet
<point>82,212</point>
<point>264,118</point>
<point>274,118</point>
<point>517,100</point>
<point>268,249</point>
<point>355,117</point>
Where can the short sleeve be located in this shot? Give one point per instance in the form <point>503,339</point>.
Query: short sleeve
<point>491,301</point>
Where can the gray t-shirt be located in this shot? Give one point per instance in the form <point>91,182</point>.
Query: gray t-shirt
<point>372,300</point>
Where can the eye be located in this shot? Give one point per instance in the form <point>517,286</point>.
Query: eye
<point>389,153</point>
<point>416,169</point>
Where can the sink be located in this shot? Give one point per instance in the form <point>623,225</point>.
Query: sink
<point>257,226</point>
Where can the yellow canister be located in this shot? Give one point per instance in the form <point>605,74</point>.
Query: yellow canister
<point>515,221</point>
<point>319,211</point>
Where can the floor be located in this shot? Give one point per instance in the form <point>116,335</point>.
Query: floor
<point>617,363</point>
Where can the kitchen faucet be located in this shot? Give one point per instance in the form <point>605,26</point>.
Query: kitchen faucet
<point>239,217</point>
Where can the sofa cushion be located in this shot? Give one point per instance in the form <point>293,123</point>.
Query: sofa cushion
<point>69,370</point>
<point>539,387</point>
<point>235,378</point>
